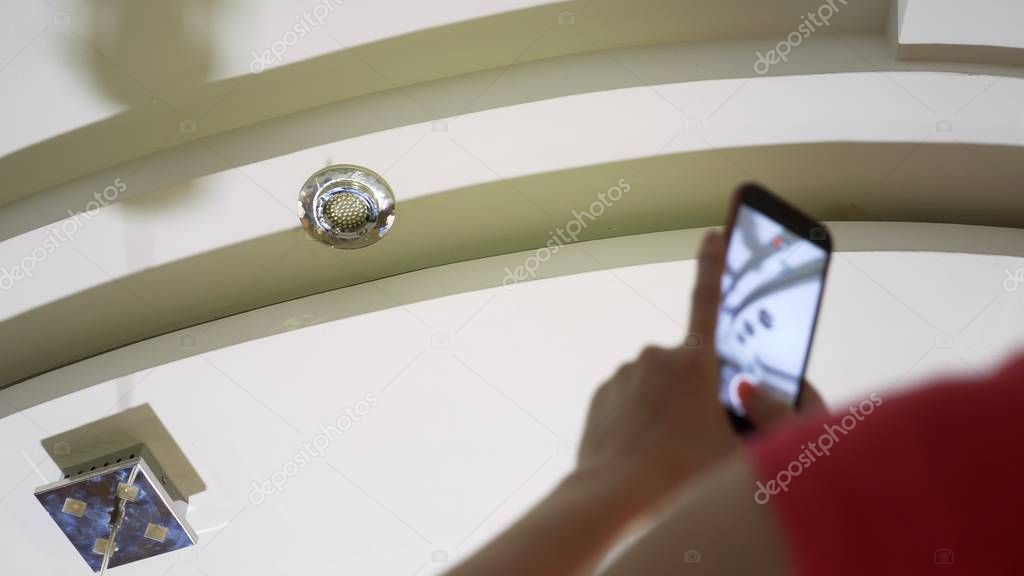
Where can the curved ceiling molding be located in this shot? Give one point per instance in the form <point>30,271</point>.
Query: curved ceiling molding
<point>694,80</point>
<point>990,32</point>
<point>90,96</point>
<point>98,311</point>
<point>106,54</point>
<point>150,341</point>
<point>489,151</point>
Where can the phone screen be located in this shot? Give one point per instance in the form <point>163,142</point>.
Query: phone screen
<point>771,288</point>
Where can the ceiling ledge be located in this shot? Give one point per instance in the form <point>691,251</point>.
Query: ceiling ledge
<point>124,108</point>
<point>399,291</point>
<point>927,182</point>
<point>118,96</point>
<point>994,55</point>
<point>985,31</point>
<point>701,71</point>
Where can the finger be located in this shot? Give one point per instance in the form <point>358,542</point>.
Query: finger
<point>763,409</point>
<point>810,400</point>
<point>707,291</point>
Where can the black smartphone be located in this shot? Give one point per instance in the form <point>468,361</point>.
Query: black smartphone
<point>775,264</point>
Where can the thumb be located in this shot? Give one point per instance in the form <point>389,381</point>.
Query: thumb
<point>764,410</point>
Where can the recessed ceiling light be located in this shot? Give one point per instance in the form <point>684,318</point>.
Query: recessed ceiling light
<point>346,206</point>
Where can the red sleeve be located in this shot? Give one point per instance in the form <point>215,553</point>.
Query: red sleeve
<point>925,483</point>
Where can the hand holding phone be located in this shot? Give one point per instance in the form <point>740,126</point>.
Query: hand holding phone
<point>774,275</point>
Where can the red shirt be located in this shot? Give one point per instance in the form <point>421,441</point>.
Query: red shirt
<point>930,482</point>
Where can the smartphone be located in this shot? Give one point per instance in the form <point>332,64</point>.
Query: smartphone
<point>775,264</point>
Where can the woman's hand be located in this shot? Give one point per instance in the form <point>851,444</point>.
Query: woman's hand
<point>657,422</point>
<point>652,427</point>
<point>766,411</point>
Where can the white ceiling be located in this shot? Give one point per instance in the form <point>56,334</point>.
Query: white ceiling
<point>464,438</point>
<point>195,293</point>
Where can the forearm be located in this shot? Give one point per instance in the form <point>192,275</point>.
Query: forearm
<point>564,534</point>
<point>713,527</point>
<point>651,427</point>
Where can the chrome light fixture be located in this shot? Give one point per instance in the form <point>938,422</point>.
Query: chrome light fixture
<point>346,206</point>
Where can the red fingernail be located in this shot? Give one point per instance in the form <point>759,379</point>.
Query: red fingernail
<point>746,390</point>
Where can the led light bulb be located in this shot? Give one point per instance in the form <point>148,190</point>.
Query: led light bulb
<point>346,211</point>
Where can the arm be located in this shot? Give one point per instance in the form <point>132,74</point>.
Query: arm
<point>714,527</point>
<point>565,533</point>
<point>653,426</point>
<point>714,516</point>
<point>926,483</point>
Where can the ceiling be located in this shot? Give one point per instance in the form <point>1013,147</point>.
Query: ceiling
<point>480,393</point>
<point>148,179</point>
<point>487,149</point>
